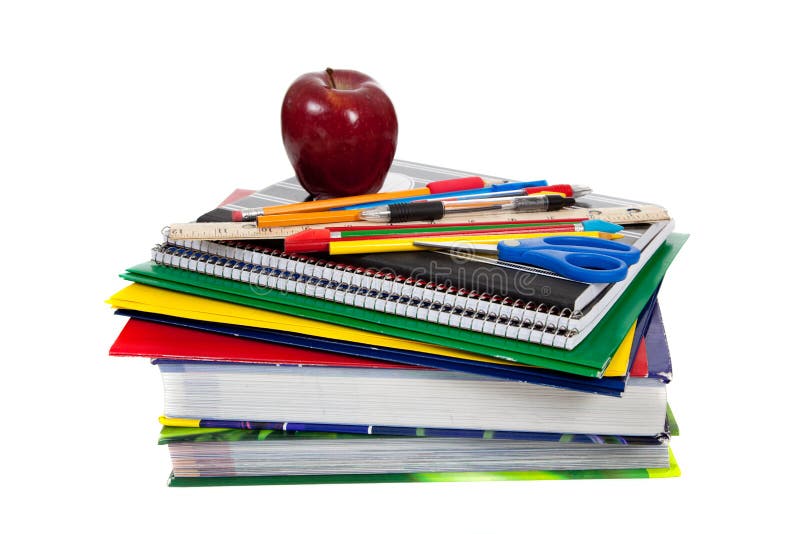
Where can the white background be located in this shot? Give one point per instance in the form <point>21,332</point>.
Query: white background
<point>118,118</point>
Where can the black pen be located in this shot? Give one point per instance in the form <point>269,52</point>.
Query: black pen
<point>434,210</point>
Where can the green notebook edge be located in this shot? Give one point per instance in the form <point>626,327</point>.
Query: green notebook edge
<point>589,358</point>
<point>278,480</point>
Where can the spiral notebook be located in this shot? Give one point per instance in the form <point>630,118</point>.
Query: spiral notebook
<point>304,289</point>
<point>382,291</point>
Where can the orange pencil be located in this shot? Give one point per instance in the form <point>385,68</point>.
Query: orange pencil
<point>441,186</point>
<point>316,217</point>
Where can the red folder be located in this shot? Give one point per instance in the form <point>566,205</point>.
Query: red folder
<point>154,340</point>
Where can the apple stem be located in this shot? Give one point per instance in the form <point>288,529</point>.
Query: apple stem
<point>330,77</point>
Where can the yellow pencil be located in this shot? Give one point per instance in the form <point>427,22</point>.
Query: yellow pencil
<point>407,244</point>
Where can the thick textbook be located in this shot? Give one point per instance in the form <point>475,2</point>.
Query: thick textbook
<point>427,398</point>
<point>229,452</point>
<point>587,359</point>
<point>488,476</point>
<point>223,457</point>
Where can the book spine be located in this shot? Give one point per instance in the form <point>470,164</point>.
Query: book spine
<point>371,289</point>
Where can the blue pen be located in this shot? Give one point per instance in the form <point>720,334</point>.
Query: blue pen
<point>496,188</point>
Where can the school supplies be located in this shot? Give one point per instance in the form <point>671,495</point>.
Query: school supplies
<point>435,210</point>
<point>447,227</point>
<point>630,213</point>
<point>444,187</point>
<point>311,217</point>
<point>275,453</point>
<point>500,189</point>
<point>563,189</point>
<point>445,316</point>
<point>399,244</point>
<point>415,362</point>
<point>159,335</point>
<point>321,240</point>
<point>586,259</point>
<point>195,477</point>
<point>426,398</point>
<point>420,211</point>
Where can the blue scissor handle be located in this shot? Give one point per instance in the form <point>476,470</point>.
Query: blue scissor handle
<point>586,259</point>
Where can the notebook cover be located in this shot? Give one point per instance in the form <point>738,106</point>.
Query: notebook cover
<point>486,274</point>
<point>449,269</point>
<point>672,471</point>
<point>659,360</point>
<point>642,326</point>
<point>588,359</point>
<point>144,298</point>
<point>180,338</point>
<point>239,255</point>
<point>151,299</point>
<point>322,350</point>
<point>151,339</point>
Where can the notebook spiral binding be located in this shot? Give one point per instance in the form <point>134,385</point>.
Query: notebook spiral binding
<point>371,289</point>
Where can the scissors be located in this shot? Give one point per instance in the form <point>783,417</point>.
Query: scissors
<point>581,258</point>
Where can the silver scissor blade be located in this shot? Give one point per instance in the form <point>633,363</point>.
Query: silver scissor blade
<point>461,246</point>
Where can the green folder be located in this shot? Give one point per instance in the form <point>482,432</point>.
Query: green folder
<point>589,358</point>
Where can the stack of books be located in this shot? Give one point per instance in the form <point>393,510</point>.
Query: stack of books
<point>285,368</point>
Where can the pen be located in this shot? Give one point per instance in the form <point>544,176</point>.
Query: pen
<point>434,210</point>
<point>309,241</point>
<point>443,187</point>
<point>405,244</point>
<point>507,187</point>
<point>418,211</point>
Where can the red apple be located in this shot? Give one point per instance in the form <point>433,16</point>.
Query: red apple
<point>340,132</point>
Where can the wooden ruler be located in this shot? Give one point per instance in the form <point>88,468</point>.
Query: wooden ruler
<point>250,230</point>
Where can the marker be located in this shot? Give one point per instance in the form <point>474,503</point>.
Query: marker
<point>434,210</point>
<point>508,187</point>
<point>444,187</point>
<point>315,241</point>
<point>405,244</point>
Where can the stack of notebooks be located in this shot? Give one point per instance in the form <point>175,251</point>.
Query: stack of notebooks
<point>282,368</point>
